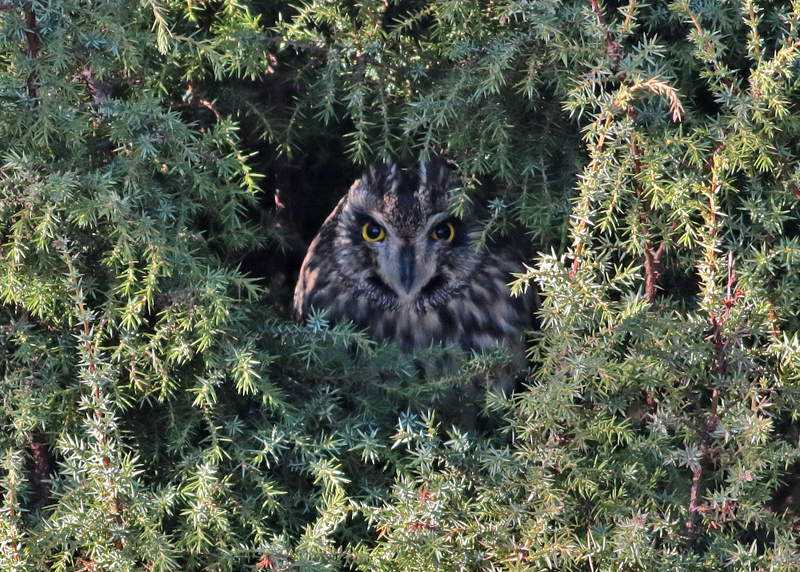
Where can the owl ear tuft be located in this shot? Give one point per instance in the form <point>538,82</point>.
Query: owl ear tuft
<point>436,178</point>
<point>381,178</point>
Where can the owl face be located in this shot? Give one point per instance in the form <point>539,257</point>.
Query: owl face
<point>392,258</point>
<point>399,239</point>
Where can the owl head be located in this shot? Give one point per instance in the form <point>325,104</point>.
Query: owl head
<point>399,240</point>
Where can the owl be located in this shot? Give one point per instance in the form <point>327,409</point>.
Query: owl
<point>394,259</point>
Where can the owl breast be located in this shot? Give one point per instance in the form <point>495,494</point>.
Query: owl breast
<point>394,260</point>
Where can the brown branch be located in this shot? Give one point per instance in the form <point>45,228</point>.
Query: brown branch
<point>42,466</point>
<point>731,295</point>
<point>774,323</point>
<point>610,45</point>
<point>709,165</point>
<point>718,339</point>
<point>203,102</point>
<point>705,433</point>
<point>629,15</point>
<point>710,222</point>
<point>651,274</point>
<point>32,45</point>
<point>694,507</point>
<point>652,258</point>
<point>713,418</point>
<point>709,49</point>
<point>784,162</point>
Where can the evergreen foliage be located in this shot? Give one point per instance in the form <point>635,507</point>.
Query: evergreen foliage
<point>161,413</point>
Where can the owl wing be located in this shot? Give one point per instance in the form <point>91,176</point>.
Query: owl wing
<point>319,270</point>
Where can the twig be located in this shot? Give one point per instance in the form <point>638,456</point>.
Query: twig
<point>593,166</point>
<point>612,47</point>
<point>85,314</point>
<point>785,172</point>
<point>709,49</point>
<point>707,451</point>
<point>691,522</point>
<point>43,466</point>
<point>731,295</point>
<point>203,102</point>
<point>651,259</point>
<point>32,45</point>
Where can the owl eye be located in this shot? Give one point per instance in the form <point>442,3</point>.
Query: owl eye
<point>372,232</point>
<point>444,231</point>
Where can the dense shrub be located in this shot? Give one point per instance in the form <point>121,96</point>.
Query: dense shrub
<point>162,413</point>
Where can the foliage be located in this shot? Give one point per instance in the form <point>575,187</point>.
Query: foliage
<point>161,413</point>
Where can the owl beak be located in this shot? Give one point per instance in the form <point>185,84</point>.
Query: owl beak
<point>407,267</point>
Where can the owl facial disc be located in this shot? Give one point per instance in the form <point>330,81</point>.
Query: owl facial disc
<point>406,265</point>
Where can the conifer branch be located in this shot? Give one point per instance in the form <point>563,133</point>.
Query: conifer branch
<point>709,49</point>
<point>10,522</point>
<point>592,169</point>
<point>97,398</point>
<point>611,46</point>
<point>651,258</point>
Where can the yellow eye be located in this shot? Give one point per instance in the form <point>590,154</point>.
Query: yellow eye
<point>444,231</point>
<point>373,232</point>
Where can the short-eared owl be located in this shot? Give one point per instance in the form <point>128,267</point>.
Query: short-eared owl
<point>394,259</point>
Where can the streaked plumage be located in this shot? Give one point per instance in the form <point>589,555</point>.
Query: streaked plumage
<point>393,258</point>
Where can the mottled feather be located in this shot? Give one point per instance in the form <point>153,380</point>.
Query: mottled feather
<point>424,282</point>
